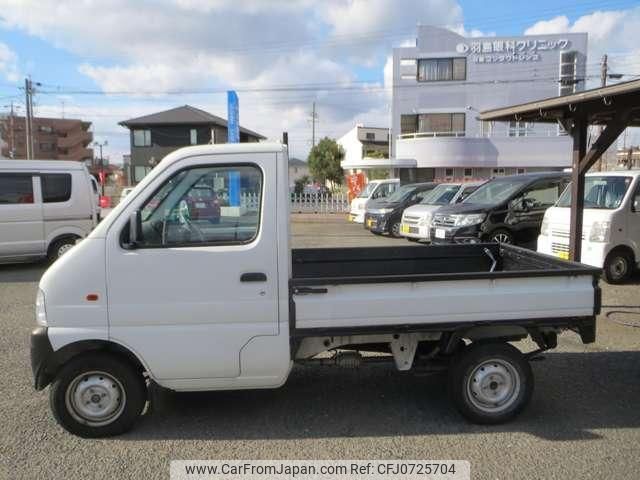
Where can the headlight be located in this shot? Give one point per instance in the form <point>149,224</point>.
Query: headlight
<point>600,232</point>
<point>544,228</point>
<point>466,220</point>
<point>41,311</point>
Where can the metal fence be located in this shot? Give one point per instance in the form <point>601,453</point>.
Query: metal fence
<point>319,203</point>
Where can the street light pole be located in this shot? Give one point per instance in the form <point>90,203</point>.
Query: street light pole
<point>102,177</point>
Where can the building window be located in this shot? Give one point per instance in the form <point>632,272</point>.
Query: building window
<point>434,124</point>
<point>16,189</point>
<point>370,136</point>
<point>468,172</point>
<point>497,172</point>
<point>448,172</point>
<point>142,138</point>
<point>568,70</point>
<point>46,147</point>
<point>45,129</point>
<point>193,136</point>
<point>139,172</point>
<point>56,187</point>
<point>442,69</point>
<point>519,129</point>
<point>408,124</point>
<point>521,171</point>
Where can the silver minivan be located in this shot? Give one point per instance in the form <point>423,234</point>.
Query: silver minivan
<point>46,206</point>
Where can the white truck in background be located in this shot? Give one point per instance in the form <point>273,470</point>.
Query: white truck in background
<point>611,224</point>
<point>373,190</point>
<point>154,294</point>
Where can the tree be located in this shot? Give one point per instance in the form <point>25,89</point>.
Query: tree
<point>324,161</point>
<point>300,184</point>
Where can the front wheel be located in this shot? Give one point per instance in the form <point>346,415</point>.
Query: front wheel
<point>97,395</point>
<point>60,247</point>
<point>394,230</point>
<point>501,235</point>
<point>618,267</point>
<point>490,383</point>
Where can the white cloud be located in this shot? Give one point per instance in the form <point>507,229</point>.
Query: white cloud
<point>8,63</point>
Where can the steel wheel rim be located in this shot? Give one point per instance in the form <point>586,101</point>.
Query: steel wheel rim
<point>395,229</point>
<point>619,267</point>
<point>95,398</point>
<point>493,386</point>
<point>502,238</point>
<point>62,249</point>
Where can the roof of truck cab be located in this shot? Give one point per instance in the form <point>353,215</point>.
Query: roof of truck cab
<point>223,148</point>
<point>35,165</point>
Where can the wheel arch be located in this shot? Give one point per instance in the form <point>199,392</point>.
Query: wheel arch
<point>59,358</point>
<point>62,233</point>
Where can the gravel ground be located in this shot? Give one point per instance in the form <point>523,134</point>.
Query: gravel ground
<point>583,421</point>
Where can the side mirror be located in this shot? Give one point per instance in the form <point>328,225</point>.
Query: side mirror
<point>135,230</point>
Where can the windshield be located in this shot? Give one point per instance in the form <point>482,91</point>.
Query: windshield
<point>599,192</point>
<point>401,194</point>
<point>496,191</point>
<point>368,190</point>
<point>441,195</point>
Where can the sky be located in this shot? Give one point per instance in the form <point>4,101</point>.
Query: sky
<point>109,60</point>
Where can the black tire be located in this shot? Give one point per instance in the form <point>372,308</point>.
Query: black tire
<point>499,373</point>
<point>415,240</point>
<point>618,266</point>
<point>394,229</point>
<point>501,235</point>
<point>60,247</point>
<point>61,399</point>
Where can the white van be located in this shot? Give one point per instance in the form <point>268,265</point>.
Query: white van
<point>416,220</point>
<point>373,190</point>
<point>45,207</point>
<point>611,224</point>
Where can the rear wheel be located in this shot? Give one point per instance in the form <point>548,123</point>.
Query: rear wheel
<point>490,383</point>
<point>60,247</point>
<point>618,266</point>
<point>97,395</point>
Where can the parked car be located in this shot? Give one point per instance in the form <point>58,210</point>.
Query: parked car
<point>611,224</point>
<point>416,220</point>
<point>45,207</point>
<point>505,210</point>
<point>384,215</point>
<point>203,204</point>
<point>232,306</point>
<point>374,190</point>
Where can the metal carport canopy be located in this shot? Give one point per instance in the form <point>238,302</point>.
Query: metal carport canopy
<point>614,107</point>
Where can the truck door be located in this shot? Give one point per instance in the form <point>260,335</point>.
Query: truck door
<point>21,226</point>
<point>202,280</point>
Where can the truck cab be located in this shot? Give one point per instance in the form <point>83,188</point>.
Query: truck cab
<point>611,224</point>
<point>374,190</point>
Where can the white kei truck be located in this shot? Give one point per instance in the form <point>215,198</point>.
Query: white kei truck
<point>159,294</point>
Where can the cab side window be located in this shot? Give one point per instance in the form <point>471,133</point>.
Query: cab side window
<point>635,200</point>
<point>204,206</point>
<point>16,189</point>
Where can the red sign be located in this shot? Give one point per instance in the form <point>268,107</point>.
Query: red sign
<point>355,183</point>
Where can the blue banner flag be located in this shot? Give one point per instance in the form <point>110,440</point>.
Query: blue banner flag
<point>233,120</point>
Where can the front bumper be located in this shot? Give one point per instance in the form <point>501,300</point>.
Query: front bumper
<point>415,231</point>
<point>41,357</point>
<point>593,253</point>
<point>376,223</point>
<point>356,217</point>
<point>468,234</point>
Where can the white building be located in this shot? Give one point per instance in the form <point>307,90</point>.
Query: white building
<point>441,84</point>
<point>367,148</point>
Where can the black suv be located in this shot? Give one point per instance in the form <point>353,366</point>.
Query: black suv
<point>385,215</point>
<point>505,209</point>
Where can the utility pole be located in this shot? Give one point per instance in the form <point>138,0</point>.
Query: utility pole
<point>314,117</point>
<point>27,117</point>
<point>102,176</point>
<point>12,135</point>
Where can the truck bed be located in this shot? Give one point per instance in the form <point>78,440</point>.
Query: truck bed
<point>365,290</point>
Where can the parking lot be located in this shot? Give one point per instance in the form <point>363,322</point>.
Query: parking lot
<point>583,421</point>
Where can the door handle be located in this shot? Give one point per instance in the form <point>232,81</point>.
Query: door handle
<point>253,277</point>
